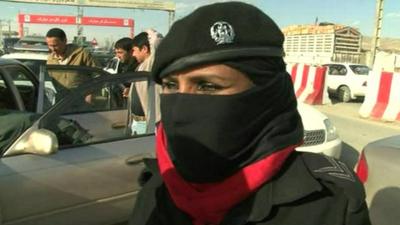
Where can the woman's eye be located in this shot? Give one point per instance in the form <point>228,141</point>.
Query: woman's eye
<point>169,85</point>
<point>208,87</point>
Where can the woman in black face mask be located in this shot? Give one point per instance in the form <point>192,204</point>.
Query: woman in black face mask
<point>229,128</point>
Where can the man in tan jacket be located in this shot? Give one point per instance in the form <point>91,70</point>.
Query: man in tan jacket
<point>67,54</point>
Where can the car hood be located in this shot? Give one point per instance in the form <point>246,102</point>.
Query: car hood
<point>311,117</point>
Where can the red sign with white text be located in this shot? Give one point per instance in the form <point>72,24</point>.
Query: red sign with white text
<point>72,20</point>
<point>46,19</point>
<point>103,21</point>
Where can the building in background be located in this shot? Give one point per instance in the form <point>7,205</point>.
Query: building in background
<point>387,57</point>
<point>322,43</point>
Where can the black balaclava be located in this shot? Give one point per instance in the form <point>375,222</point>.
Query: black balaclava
<point>210,137</point>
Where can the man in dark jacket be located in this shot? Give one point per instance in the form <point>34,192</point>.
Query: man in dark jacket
<point>229,127</point>
<point>123,51</point>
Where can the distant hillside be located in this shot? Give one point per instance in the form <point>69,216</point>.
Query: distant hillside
<point>387,44</point>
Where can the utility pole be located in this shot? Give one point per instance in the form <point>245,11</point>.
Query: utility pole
<point>376,39</point>
<point>9,28</point>
<point>79,25</point>
<point>1,36</point>
<point>171,18</point>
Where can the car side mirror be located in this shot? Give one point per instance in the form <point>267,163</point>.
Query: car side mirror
<point>38,142</point>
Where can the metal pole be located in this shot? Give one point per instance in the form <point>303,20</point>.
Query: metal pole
<point>1,37</point>
<point>79,25</point>
<point>171,15</point>
<point>377,31</point>
<point>9,28</point>
<point>132,28</point>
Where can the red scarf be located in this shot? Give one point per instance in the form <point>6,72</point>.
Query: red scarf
<point>208,203</point>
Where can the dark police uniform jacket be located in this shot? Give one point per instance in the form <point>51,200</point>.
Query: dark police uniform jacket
<point>311,189</point>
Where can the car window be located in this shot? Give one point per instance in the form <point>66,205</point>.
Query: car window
<point>25,86</point>
<point>360,69</point>
<point>337,70</point>
<point>98,114</point>
<point>34,65</point>
<point>6,96</point>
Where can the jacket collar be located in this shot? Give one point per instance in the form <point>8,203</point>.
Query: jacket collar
<point>70,50</point>
<point>284,188</point>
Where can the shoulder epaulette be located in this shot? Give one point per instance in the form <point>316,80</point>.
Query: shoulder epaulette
<point>331,170</point>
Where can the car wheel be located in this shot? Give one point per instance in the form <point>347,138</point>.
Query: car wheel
<point>344,94</point>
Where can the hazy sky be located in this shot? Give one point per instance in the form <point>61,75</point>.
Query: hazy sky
<point>356,13</point>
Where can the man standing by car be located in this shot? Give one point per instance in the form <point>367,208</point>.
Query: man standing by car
<point>144,45</point>
<point>62,53</point>
<point>123,51</point>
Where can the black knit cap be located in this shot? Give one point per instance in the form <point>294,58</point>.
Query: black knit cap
<point>217,33</point>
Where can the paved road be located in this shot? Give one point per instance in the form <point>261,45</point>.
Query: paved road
<point>354,131</point>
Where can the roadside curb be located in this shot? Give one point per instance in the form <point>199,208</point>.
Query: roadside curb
<point>352,113</point>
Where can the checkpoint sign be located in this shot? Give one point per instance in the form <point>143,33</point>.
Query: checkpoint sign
<point>132,4</point>
<point>111,22</point>
<point>46,19</point>
<point>72,20</point>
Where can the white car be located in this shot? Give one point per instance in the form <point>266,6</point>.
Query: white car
<point>346,80</point>
<point>320,135</point>
<point>32,59</point>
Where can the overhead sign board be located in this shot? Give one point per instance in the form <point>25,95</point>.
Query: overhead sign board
<point>72,20</point>
<point>143,4</point>
<point>132,4</point>
<point>60,2</point>
<point>111,22</point>
<point>46,19</point>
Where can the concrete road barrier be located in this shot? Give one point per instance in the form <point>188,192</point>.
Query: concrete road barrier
<point>309,83</point>
<point>382,100</point>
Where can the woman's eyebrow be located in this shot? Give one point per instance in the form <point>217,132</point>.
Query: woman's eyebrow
<point>170,78</point>
<point>208,76</point>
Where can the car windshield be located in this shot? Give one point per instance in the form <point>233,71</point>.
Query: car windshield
<point>32,43</point>
<point>360,69</point>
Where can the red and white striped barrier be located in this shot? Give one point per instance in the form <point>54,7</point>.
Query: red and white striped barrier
<point>382,100</point>
<point>309,83</point>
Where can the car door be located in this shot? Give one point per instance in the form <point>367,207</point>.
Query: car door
<point>92,179</point>
<point>18,101</point>
<point>336,76</point>
<point>358,77</point>
<point>19,88</point>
